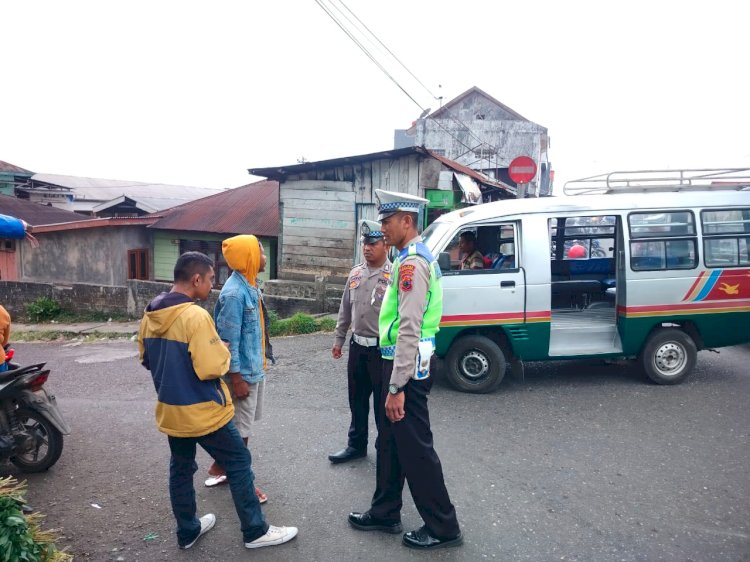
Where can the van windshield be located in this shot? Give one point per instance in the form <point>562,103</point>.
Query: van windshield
<point>434,233</point>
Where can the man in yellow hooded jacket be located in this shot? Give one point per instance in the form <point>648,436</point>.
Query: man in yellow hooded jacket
<point>240,323</point>
<point>178,343</point>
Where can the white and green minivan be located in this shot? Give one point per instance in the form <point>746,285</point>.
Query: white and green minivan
<point>653,276</point>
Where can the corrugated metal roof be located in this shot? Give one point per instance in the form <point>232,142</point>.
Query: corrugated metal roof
<point>35,213</point>
<point>12,168</point>
<point>277,172</point>
<point>98,223</point>
<point>481,178</point>
<point>250,209</point>
<point>101,190</point>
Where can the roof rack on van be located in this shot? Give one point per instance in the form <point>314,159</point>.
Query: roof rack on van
<point>642,181</point>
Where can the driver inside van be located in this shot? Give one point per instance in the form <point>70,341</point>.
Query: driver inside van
<point>467,246</point>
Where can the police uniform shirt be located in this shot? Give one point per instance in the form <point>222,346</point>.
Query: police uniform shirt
<point>360,304</point>
<point>413,284</point>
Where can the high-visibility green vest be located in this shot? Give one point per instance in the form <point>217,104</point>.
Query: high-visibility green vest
<point>389,319</point>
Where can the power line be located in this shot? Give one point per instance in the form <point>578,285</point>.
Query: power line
<point>369,55</point>
<point>364,50</point>
<point>388,50</point>
<point>455,119</point>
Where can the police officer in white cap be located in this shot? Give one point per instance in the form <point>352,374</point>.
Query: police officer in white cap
<point>409,319</point>
<point>359,308</point>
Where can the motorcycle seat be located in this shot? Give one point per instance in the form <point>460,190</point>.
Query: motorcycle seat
<point>5,376</point>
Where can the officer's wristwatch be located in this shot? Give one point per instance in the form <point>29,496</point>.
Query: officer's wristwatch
<point>393,389</point>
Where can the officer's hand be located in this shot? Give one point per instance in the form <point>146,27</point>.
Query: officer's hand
<point>336,352</point>
<point>394,407</point>
<point>240,388</point>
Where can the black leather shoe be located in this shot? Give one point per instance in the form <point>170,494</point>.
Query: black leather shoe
<point>347,454</point>
<point>366,522</point>
<point>423,540</point>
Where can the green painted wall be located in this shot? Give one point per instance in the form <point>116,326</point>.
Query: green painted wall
<point>166,251</point>
<point>166,244</point>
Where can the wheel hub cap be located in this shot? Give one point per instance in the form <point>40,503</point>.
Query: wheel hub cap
<point>670,358</point>
<point>474,365</point>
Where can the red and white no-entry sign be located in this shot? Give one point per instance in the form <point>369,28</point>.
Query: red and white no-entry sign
<point>522,169</point>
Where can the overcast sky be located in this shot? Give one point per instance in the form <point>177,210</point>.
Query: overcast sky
<point>194,93</point>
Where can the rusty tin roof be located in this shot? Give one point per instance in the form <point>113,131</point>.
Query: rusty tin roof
<point>250,209</point>
<point>36,213</point>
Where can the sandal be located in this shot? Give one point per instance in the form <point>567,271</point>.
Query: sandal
<point>212,481</point>
<point>262,498</point>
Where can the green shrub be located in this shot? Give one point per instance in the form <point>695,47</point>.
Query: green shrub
<point>43,308</point>
<point>327,325</point>
<point>302,324</point>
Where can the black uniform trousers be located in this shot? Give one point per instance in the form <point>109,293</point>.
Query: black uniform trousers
<point>364,373</point>
<point>405,451</point>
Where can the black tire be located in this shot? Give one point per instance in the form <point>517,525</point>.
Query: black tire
<point>475,364</point>
<point>49,442</point>
<point>669,356</point>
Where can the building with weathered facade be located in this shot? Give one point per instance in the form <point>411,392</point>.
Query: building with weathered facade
<point>203,224</point>
<point>34,214</point>
<point>478,131</point>
<point>321,203</point>
<point>100,251</point>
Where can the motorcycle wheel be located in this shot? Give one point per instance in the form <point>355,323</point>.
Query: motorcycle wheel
<point>49,442</point>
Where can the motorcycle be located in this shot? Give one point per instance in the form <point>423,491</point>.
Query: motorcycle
<point>31,424</point>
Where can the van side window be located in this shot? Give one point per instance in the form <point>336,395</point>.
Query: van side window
<point>483,249</point>
<point>584,237</point>
<point>663,240</point>
<point>726,237</point>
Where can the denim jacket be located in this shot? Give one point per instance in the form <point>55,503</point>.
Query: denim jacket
<point>237,317</point>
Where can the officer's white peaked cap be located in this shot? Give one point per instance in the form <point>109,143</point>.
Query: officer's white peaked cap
<point>390,202</point>
<point>370,231</point>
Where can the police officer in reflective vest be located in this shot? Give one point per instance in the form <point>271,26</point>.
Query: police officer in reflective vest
<point>360,307</point>
<point>409,320</point>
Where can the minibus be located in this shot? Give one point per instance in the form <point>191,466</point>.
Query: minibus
<point>653,276</point>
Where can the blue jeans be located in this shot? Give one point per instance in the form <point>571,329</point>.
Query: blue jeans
<point>227,448</point>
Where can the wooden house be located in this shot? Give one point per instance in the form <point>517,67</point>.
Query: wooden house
<point>321,203</point>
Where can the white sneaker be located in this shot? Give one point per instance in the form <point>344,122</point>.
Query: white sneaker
<point>274,536</point>
<point>207,523</point>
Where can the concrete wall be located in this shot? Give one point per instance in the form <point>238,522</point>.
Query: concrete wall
<point>284,297</point>
<point>90,255</point>
<point>15,295</point>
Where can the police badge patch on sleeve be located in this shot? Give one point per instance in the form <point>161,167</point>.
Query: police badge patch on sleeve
<point>406,277</point>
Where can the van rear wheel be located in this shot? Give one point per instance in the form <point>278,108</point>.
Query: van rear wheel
<point>475,364</point>
<point>669,356</point>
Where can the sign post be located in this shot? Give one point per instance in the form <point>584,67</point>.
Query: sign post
<point>522,170</point>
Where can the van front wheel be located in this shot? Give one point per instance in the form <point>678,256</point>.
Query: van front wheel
<point>669,356</point>
<point>475,364</point>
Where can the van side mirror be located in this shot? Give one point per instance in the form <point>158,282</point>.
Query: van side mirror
<point>444,261</point>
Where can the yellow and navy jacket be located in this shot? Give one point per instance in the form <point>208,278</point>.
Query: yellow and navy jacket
<point>179,345</point>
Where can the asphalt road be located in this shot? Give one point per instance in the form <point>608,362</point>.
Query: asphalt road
<point>580,461</point>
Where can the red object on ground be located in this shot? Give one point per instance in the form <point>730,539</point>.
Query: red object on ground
<point>522,169</point>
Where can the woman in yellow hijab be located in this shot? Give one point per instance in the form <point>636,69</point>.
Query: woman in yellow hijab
<point>239,322</point>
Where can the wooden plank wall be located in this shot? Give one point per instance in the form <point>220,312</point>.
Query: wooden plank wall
<point>316,226</point>
<point>319,234</point>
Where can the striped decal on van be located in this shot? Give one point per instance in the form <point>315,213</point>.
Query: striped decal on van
<point>495,318</point>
